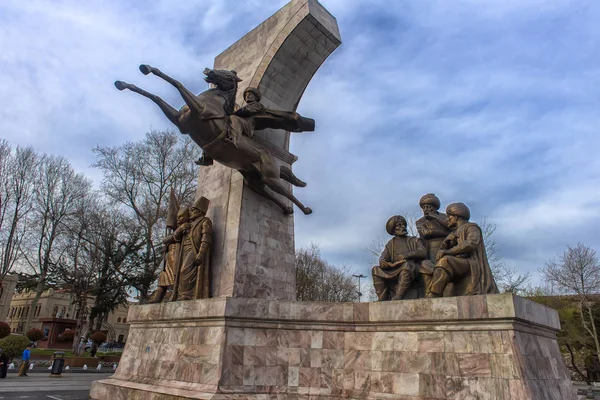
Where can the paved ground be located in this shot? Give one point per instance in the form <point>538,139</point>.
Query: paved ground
<point>76,386</point>
<point>41,386</point>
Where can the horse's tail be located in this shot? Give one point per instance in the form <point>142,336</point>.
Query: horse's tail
<point>287,175</point>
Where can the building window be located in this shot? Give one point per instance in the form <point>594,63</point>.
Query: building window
<point>55,311</point>
<point>119,319</point>
<point>120,340</point>
<point>26,311</point>
<point>124,320</point>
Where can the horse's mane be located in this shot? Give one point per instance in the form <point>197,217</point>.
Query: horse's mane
<point>229,99</point>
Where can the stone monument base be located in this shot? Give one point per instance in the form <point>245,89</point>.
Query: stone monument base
<point>479,347</point>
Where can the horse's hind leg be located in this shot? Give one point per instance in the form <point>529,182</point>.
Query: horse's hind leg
<point>287,175</point>
<point>275,185</point>
<point>169,111</point>
<point>259,188</point>
<point>189,97</point>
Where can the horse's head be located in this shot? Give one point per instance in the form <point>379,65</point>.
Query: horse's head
<point>223,79</point>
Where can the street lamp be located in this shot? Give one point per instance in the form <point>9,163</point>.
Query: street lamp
<point>359,278</point>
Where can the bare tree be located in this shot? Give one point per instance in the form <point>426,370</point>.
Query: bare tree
<point>508,279</point>
<point>316,280</point>
<point>140,176</point>
<point>58,189</point>
<point>17,170</point>
<point>99,261</point>
<point>577,271</point>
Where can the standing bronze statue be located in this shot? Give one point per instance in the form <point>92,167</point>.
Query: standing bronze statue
<point>397,269</point>
<point>194,278</point>
<point>462,259</point>
<point>210,120</point>
<point>169,276</point>
<point>166,279</point>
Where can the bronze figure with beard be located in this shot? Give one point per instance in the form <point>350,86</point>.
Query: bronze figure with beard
<point>397,269</point>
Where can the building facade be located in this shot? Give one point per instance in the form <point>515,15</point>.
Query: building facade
<point>7,290</point>
<point>55,312</point>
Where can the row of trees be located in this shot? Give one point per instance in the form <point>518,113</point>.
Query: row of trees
<point>56,230</point>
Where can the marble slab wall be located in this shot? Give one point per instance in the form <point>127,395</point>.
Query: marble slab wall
<point>481,347</point>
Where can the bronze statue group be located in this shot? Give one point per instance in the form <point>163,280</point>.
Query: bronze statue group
<point>187,253</point>
<point>447,259</point>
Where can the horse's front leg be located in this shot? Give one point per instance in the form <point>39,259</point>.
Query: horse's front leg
<point>190,98</point>
<point>166,108</point>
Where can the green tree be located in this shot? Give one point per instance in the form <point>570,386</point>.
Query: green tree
<point>13,345</point>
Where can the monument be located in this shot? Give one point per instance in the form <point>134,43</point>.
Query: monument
<point>251,339</point>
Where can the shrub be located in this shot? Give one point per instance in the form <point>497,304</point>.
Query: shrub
<point>98,337</point>
<point>13,345</point>
<point>68,334</point>
<point>35,334</point>
<point>4,329</point>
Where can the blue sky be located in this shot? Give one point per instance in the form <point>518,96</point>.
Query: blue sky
<point>491,102</point>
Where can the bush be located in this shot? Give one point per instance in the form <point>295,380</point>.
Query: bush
<point>67,335</point>
<point>98,337</point>
<point>35,334</point>
<point>4,329</point>
<point>13,345</point>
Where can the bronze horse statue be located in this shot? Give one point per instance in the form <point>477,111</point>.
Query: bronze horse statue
<point>210,121</point>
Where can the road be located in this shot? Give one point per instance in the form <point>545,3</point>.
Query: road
<point>42,387</point>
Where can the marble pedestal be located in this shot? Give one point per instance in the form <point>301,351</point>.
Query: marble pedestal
<point>481,347</point>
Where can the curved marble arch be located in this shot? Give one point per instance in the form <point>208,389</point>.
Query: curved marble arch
<point>280,57</point>
<point>254,251</point>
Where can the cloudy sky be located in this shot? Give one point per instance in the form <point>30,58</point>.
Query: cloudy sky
<point>495,103</point>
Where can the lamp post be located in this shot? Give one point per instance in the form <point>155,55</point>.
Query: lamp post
<point>359,278</point>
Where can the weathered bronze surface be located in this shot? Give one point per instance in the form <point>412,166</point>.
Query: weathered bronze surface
<point>462,259</point>
<point>448,259</point>
<point>398,264</point>
<point>433,229</point>
<point>186,268</point>
<point>194,264</point>
<point>433,226</point>
<point>225,134</point>
<point>167,277</point>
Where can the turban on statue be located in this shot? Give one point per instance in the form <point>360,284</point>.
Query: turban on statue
<point>202,204</point>
<point>254,91</point>
<point>459,210</point>
<point>431,199</point>
<point>390,225</point>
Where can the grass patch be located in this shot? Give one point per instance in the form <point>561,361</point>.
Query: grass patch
<point>49,352</point>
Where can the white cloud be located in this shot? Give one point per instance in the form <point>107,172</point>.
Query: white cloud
<point>490,102</point>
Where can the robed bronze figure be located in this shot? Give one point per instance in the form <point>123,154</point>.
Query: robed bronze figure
<point>210,120</point>
<point>462,259</point>
<point>433,226</point>
<point>196,244</point>
<point>398,264</point>
<point>167,278</point>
